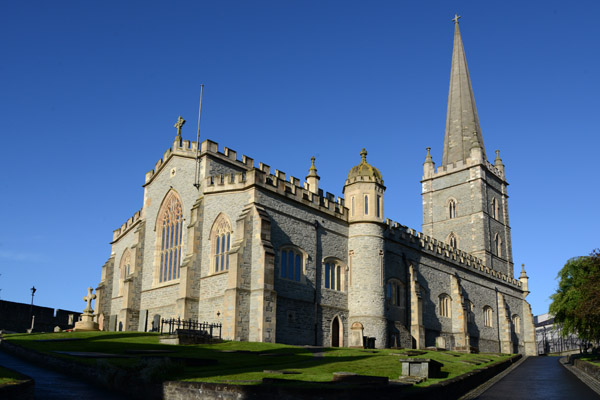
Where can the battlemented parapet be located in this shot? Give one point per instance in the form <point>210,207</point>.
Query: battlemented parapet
<point>277,183</point>
<point>117,233</point>
<point>189,149</point>
<point>463,164</point>
<point>443,250</point>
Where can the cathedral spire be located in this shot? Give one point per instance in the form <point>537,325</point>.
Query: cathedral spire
<point>462,123</point>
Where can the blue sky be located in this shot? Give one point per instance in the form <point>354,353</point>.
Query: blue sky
<point>90,91</point>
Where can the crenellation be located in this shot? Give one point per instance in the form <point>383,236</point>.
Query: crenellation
<point>117,233</point>
<point>231,154</point>
<point>264,168</point>
<point>247,161</point>
<point>280,175</point>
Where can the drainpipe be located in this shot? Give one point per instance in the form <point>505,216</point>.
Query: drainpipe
<point>317,281</point>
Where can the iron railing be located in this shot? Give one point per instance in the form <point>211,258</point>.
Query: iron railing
<point>174,325</point>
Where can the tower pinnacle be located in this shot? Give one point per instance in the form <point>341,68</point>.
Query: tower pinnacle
<point>462,123</point>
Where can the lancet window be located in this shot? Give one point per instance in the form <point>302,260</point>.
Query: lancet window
<point>516,320</point>
<point>452,209</point>
<point>366,204</point>
<point>495,208</point>
<point>334,275</point>
<point>452,241</point>
<point>169,229</point>
<point>221,237</point>
<point>291,264</point>
<point>498,245</point>
<point>487,316</point>
<point>395,293</point>
<point>445,306</point>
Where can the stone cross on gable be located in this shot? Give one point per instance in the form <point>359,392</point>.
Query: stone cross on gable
<point>179,124</point>
<point>88,299</point>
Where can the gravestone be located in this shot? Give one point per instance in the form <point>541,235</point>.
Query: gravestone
<point>440,342</point>
<point>422,367</point>
<point>143,326</point>
<point>356,335</point>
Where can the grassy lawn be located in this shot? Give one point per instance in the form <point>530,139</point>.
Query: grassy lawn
<point>591,359</point>
<point>10,377</point>
<point>238,362</point>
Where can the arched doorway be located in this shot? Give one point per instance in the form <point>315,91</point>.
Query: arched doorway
<point>336,332</point>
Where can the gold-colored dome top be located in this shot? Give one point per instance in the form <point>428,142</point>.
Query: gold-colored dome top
<point>364,168</point>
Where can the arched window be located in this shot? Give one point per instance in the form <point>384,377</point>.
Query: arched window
<point>498,245</point>
<point>124,269</point>
<point>487,316</point>
<point>516,320</point>
<point>334,275</point>
<point>126,264</point>
<point>366,204</point>
<point>445,306</point>
<point>169,228</point>
<point>395,293</point>
<point>495,208</point>
<point>220,237</point>
<point>452,209</point>
<point>470,312</point>
<point>291,264</point>
<point>452,241</point>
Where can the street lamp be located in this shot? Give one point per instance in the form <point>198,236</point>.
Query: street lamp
<point>33,289</point>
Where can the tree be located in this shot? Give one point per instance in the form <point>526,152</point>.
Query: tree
<point>576,303</point>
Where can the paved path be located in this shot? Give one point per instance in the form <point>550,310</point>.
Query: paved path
<point>539,378</point>
<point>52,385</point>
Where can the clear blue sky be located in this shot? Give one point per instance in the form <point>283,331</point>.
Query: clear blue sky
<point>90,91</point>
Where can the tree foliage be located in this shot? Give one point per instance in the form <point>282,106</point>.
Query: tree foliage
<point>576,303</point>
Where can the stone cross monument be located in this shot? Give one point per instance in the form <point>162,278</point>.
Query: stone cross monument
<point>87,318</point>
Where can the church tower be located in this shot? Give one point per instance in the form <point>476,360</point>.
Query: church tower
<point>363,192</point>
<point>465,202</point>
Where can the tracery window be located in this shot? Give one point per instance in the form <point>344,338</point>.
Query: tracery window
<point>334,275</point>
<point>395,293</point>
<point>445,305</point>
<point>516,320</point>
<point>169,229</point>
<point>221,243</point>
<point>487,316</point>
<point>292,264</point>
<point>452,209</point>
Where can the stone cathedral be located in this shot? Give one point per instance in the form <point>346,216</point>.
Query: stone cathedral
<point>275,259</point>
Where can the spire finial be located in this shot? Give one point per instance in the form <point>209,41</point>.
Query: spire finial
<point>363,155</point>
<point>428,156</point>
<point>456,18</point>
<point>178,125</point>
<point>312,167</point>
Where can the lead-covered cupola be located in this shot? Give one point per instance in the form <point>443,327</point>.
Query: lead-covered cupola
<point>364,192</point>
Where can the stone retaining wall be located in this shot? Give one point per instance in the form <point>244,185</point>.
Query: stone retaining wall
<point>592,370</point>
<point>449,389</point>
